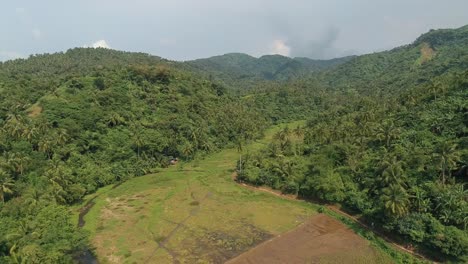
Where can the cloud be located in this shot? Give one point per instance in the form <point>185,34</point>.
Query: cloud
<point>279,47</point>
<point>315,45</point>
<point>320,46</point>
<point>98,44</point>
<point>101,44</point>
<point>10,55</point>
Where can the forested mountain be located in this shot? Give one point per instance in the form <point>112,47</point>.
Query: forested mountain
<point>389,142</point>
<point>386,135</point>
<point>240,71</point>
<point>433,54</point>
<point>80,120</point>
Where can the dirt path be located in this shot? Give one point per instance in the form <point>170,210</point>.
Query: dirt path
<point>337,210</point>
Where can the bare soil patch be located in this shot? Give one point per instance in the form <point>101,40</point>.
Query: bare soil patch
<point>35,110</point>
<point>321,239</point>
<point>427,53</point>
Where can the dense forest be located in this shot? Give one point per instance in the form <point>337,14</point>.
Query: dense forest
<point>241,72</point>
<point>386,135</point>
<point>71,125</point>
<point>390,144</point>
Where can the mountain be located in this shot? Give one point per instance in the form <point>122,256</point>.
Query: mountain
<point>233,68</point>
<point>76,121</point>
<point>388,142</point>
<point>432,54</point>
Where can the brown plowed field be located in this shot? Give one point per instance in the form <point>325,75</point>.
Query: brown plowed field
<point>321,239</point>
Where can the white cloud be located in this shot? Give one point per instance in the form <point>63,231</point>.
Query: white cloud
<point>98,44</point>
<point>279,47</point>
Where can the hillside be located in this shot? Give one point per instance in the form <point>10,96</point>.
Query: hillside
<point>433,54</point>
<point>388,143</point>
<point>386,138</point>
<point>237,68</point>
<point>76,121</point>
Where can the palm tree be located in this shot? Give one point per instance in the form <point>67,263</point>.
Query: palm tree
<point>43,127</point>
<point>187,149</point>
<point>283,135</point>
<point>446,157</point>
<point>299,133</point>
<point>30,133</point>
<point>392,173</point>
<point>45,146</point>
<point>283,169</point>
<point>395,199</point>
<point>115,119</point>
<point>138,141</point>
<point>14,125</point>
<point>6,185</point>
<point>387,132</point>
<point>18,162</point>
<point>32,197</point>
<point>61,137</point>
<point>420,199</point>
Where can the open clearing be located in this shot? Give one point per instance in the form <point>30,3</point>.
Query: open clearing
<point>321,239</point>
<point>195,213</point>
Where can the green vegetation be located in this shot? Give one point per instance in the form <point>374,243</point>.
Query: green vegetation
<point>386,137</point>
<point>67,132</point>
<point>190,211</point>
<point>241,71</point>
<point>395,154</point>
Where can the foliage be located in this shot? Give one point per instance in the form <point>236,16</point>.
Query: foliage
<point>69,132</point>
<point>386,134</point>
<point>390,143</point>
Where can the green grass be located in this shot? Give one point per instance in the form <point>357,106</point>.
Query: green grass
<point>192,211</point>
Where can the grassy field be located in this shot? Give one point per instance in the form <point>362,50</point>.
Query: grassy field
<point>188,213</point>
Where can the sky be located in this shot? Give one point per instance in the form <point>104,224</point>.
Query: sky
<point>190,29</point>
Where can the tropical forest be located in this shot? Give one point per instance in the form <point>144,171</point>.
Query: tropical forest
<point>110,156</point>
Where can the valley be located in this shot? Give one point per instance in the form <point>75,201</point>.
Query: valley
<point>196,213</point>
<point>124,157</point>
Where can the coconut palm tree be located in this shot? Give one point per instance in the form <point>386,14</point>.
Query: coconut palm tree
<point>395,199</point>
<point>446,156</point>
<point>6,185</point>
<point>45,145</point>
<point>18,162</point>
<point>61,137</point>
<point>30,133</point>
<point>138,141</point>
<point>392,173</point>
<point>387,132</point>
<point>14,125</point>
<point>115,119</point>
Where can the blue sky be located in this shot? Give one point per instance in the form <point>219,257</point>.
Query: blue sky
<point>188,29</point>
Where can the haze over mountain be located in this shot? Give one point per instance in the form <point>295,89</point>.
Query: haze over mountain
<point>187,30</point>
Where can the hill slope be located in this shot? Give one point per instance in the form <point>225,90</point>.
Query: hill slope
<point>235,68</point>
<point>433,54</point>
<point>76,121</point>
